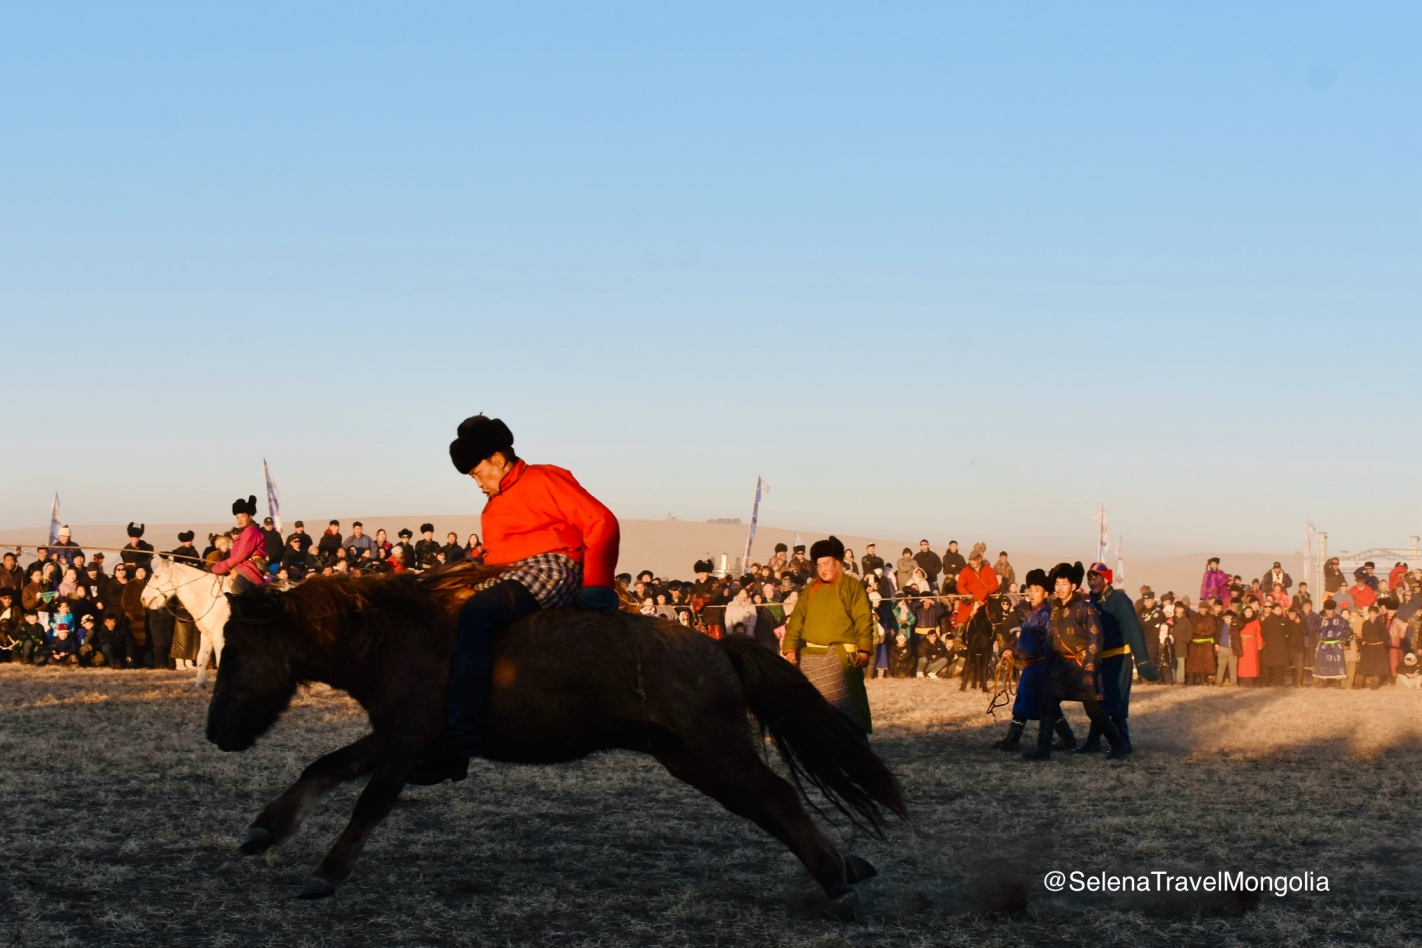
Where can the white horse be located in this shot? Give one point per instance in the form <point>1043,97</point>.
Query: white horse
<point>201,593</point>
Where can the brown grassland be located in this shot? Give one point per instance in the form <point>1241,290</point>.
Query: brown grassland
<point>120,824</point>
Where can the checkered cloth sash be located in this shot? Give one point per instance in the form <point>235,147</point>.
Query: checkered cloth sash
<point>554,579</point>
<point>825,672</point>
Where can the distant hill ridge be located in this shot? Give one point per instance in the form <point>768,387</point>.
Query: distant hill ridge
<point>669,547</point>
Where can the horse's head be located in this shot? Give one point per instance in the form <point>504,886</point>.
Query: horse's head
<point>257,678</point>
<point>160,586</point>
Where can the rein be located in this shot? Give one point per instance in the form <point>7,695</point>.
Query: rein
<point>216,595</point>
<point>1004,681</point>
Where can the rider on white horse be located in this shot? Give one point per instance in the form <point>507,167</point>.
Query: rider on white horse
<point>247,561</point>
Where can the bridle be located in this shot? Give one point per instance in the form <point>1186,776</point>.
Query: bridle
<point>217,592</point>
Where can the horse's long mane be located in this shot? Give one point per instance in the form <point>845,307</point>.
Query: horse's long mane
<point>453,584</point>
<point>356,606</point>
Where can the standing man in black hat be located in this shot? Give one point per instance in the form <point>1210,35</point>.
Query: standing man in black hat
<point>406,548</point>
<point>427,548</point>
<point>830,635</point>
<point>1123,650</point>
<point>1073,654</point>
<point>138,552</point>
<point>271,537</point>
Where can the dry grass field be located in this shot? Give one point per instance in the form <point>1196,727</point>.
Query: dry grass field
<point>119,827</point>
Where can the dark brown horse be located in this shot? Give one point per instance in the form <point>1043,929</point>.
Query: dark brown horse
<point>566,683</point>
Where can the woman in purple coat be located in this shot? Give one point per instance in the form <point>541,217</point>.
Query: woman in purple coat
<point>1215,583</point>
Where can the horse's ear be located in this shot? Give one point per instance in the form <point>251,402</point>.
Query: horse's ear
<point>231,598</point>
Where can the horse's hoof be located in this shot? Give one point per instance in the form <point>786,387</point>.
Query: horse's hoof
<point>842,908</point>
<point>317,888</point>
<point>256,842</point>
<point>858,870</point>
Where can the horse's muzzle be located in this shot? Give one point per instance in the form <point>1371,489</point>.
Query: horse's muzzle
<point>226,734</point>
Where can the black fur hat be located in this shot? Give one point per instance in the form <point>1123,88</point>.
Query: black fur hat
<point>135,531</point>
<point>703,566</point>
<point>427,528</point>
<point>405,532</point>
<point>1073,571</point>
<point>479,438</point>
<point>827,547</point>
<point>185,537</point>
<point>1036,577</point>
<point>248,506</point>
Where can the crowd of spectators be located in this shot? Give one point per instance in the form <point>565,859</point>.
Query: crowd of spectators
<point>64,607</point>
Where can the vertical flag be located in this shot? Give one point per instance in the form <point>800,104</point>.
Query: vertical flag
<point>54,520</point>
<point>761,489</point>
<point>1308,556</point>
<point>273,498</point>
<point>1120,576</point>
<point>1103,539</point>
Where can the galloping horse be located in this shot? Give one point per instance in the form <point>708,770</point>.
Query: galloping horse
<point>566,683</point>
<point>202,594</point>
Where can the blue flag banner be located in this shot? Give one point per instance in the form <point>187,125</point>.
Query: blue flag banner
<point>761,489</point>
<point>273,498</point>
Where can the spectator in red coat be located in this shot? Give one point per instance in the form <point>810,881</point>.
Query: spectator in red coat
<point>978,580</point>
<point>1395,577</point>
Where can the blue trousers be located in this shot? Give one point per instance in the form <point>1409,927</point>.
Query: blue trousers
<point>1116,673</point>
<point>1030,692</point>
<point>467,698</point>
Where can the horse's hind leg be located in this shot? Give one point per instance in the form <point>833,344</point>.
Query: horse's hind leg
<point>742,783</point>
<point>375,803</point>
<point>280,818</point>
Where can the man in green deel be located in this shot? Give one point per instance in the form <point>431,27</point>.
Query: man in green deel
<point>831,633</point>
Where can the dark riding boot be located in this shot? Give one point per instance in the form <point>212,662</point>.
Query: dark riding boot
<point>467,695</point>
<point>1013,738</point>
<point>1043,750</point>
<point>1120,746</point>
<point>1067,740</point>
<point>1093,741</point>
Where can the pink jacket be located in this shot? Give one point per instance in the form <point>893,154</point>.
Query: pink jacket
<point>249,543</point>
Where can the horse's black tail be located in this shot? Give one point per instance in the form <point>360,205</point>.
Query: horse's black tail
<point>816,742</point>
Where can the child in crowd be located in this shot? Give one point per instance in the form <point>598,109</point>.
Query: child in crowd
<point>1410,674</point>
<point>61,650</point>
<point>63,618</point>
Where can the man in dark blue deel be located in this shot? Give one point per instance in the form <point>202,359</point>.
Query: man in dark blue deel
<point>1122,639</point>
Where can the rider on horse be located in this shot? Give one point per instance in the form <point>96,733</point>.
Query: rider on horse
<point>248,560</point>
<point>560,546</point>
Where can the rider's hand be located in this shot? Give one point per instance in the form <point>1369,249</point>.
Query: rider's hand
<point>599,598</point>
<point>861,659</point>
<point>792,657</point>
<point>1148,671</point>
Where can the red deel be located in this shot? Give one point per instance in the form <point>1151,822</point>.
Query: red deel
<point>543,509</point>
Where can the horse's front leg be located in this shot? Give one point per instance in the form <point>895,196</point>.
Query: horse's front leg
<point>375,803</point>
<point>283,815</point>
<point>204,653</point>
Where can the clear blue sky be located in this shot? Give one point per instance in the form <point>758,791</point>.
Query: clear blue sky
<point>939,269</point>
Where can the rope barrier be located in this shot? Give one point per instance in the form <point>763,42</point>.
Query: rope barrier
<point>105,549</point>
